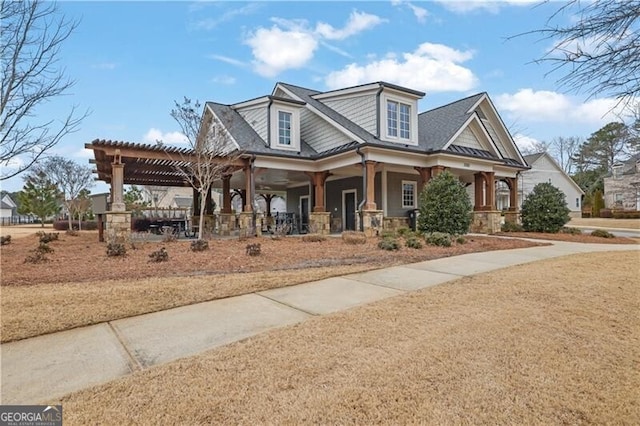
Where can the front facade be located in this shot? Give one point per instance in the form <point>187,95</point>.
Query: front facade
<point>622,188</point>
<point>545,169</point>
<point>358,157</point>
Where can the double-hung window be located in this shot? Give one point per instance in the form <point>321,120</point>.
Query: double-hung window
<point>284,128</point>
<point>398,120</point>
<point>408,194</point>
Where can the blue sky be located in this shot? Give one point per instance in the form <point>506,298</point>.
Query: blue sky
<point>131,60</point>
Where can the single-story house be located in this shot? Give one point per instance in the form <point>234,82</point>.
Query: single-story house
<point>622,187</point>
<point>7,210</point>
<point>545,169</point>
<point>353,158</point>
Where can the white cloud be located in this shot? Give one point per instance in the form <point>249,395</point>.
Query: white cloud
<point>291,43</point>
<point>154,135</point>
<point>358,22</point>
<point>211,23</point>
<point>228,60</point>
<point>493,6</point>
<point>275,50</point>
<point>420,13</point>
<point>13,163</point>
<point>431,67</point>
<point>542,105</point>
<point>525,143</point>
<point>104,66</point>
<point>84,153</point>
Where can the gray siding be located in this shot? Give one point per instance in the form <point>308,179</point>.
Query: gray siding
<point>257,119</point>
<point>334,190</point>
<point>622,192</point>
<point>394,193</point>
<point>468,139</point>
<point>361,110</point>
<point>282,94</point>
<point>494,136</point>
<point>293,198</point>
<point>319,134</point>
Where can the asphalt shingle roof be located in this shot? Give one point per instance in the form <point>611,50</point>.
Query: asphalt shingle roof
<point>532,158</point>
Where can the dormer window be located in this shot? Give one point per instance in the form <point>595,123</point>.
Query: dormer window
<point>398,120</point>
<point>284,128</point>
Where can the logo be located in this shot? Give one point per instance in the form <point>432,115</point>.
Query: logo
<point>30,415</point>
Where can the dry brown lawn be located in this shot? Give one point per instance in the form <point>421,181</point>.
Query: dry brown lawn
<point>553,342</point>
<point>583,238</point>
<point>82,286</point>
<point>606,223</point>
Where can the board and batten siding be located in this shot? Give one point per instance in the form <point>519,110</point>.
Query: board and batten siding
<point>257,119</point>
<point>543,170</point>
<point>361,110</point>
<point>319,134</point>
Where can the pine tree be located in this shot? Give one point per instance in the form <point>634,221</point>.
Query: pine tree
<point>39,197</point>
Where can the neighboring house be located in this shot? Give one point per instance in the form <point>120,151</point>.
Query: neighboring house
<point>7,210</point>
<point>622,188</point>
<point>353,158</point>
<point>545,169</point>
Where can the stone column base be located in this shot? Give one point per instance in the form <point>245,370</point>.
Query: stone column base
<point>486,222</point>
<point>512,216</point>
<point>395,223</point>
<point>372,222</point>
<point>227,223</point>
<point>320,223</point>
<point>210,224</point>
<point>245,223</point>
<point>118,227</point>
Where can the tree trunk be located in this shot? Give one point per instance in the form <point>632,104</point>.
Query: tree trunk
<point>203,202</point>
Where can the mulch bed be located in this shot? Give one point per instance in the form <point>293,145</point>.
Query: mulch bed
<point>82,258</point>
<point>584,238</point>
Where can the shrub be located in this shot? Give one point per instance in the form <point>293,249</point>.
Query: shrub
<point>602,234</point>
<point>598,203</point>
<point>390,244</point>
<point>511,227</point>
<point>627,215</point>
<point>39,254</point>
<point>413,242</point>
<point>199,245</point>
<point>444,206</point>
<point>389,234</point>
<point>314,238</point>
<point>168,236</point>
<point>461,240</point>
<point>606,213</point>
<point>115,249</point>
<point>44,248</point>
<point>47,237</point>
<point>570,230</point>
<point>440,239</point>
<point>159,255</point>
<point>545,209</point>
<point>354,237</point>
<point>403,231</point>
<point>5,240</point>
<point>253,249</point>
<point>72,233</point>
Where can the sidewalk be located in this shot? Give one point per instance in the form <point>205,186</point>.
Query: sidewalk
<point>44,368</point>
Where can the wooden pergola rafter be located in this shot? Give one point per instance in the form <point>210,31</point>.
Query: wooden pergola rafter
<point>145,164</point>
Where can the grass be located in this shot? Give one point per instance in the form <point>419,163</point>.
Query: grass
<point>552,342</point>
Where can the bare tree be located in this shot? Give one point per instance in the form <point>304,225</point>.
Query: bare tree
<point>70,178</point>
<point>155,194</point>
<point>31,36</point>
<point>564,150</point>
<point>214,152</point>
<point>599,46</point>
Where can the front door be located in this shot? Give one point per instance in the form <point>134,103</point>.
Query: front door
<point>304,213</point>
<point>349,210</point>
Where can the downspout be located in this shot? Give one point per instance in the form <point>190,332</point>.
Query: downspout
<point>252,185</point>
<point>269,122</point>
<point>364,185</point>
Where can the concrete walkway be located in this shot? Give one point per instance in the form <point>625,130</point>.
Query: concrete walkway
<point>44,368</point>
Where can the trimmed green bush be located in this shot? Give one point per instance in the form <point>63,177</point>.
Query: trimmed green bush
<point>403,231</point>
<point>511,227</point>
<point>444,206</point>
<point>390,244</point>
<point>545,209</point>
<point>602,234</point>
<point>570,230</point>
<point>461,240</point>
<point>413,242</point>
<point>440,239</point>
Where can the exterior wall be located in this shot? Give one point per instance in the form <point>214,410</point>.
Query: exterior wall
<point>319,134</point>
<point>293,198</point>
<point>625,190</point>
<point>543,170</point>
<point>6,213</point>
<point>361,110</point>
<point>468,139</point>
<point>394,193</point>
<point>256,118</point>
<point>333,194</point>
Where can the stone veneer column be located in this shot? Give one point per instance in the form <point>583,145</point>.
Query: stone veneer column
<point>512,213</point>
<point>248,199</point>
<point>425,176</point>
<point>118,219</point>
<point>227,224</point>
<point>372,222</point>
<point>320,222</point>
<point>478,192</point>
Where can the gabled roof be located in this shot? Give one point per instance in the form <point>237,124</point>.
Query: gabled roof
<point>5,206</point>
<point>532,158</point>
<point>436,127</point>
<point>629,166</point>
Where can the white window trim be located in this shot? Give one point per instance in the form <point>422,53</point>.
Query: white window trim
<point>295,127</point>
<point>415,193</point>
<point>413,119</point>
